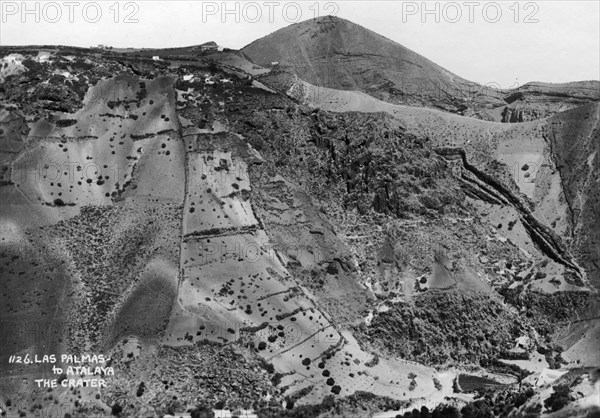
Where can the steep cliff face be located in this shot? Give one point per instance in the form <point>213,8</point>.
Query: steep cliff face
<point>513,115</point>
<point>571,94</point>
<point>541,100</point>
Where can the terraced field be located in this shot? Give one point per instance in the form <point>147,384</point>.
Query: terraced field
<point>235,284</point>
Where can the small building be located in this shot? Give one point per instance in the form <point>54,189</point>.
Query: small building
<point>155,58</point>
<point>274,63</point>
<point>209,47</point>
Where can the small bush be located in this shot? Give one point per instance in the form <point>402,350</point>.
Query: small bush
<point>116,409</point>
<point>559,398</point>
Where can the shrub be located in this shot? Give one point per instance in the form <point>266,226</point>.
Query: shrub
<point>116,409</point>
<point>559,398</point>
<point>202,411</point>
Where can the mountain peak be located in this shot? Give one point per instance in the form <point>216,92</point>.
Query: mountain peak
<point>319,37</point>
<point>328,18</point>
<point>333,52</point>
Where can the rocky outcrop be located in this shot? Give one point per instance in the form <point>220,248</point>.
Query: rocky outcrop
<point>534,101</point>
<point>512,115</point>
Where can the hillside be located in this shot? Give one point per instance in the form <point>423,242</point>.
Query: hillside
<point>235,234</point>
<point>335,53</point>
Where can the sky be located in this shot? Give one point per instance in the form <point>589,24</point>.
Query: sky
<point>504,42</point>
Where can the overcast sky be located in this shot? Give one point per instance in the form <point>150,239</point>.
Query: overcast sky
<point>502,42</point>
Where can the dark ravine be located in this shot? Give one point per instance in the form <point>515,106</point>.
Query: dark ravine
<point>541,235</point>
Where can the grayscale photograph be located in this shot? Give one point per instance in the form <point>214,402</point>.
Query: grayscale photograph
<point>299,209</point>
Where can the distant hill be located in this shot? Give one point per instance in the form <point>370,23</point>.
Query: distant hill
<point>336,53</point>
<point>333,52</point>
